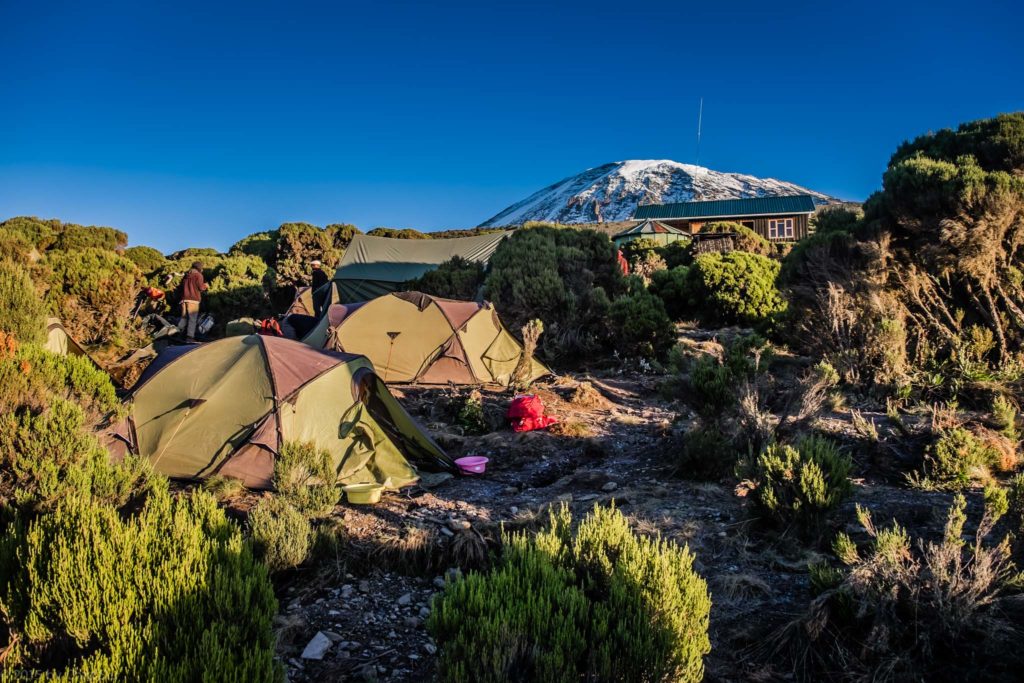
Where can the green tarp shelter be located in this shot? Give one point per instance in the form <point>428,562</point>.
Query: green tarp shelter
<point>373,266</point>
<point>413,337</point>
<point>228,407</point>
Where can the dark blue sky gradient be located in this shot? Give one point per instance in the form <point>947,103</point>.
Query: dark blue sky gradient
<point>193,124</point>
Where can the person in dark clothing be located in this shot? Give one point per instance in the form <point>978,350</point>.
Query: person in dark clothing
<point>192,288</point>
<point>316,282</point>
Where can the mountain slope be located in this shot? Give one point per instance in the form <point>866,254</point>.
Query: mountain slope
<point>612,192</point>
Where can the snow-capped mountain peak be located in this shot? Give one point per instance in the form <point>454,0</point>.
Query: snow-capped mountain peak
<point>613,191</point>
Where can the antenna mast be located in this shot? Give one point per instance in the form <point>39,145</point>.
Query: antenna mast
<point>700,117</point>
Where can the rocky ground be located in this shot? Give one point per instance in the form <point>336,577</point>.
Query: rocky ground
<point>357,612</point>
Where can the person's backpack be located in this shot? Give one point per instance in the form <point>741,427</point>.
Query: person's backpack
<point>526,413</point>
<point>269,327</point>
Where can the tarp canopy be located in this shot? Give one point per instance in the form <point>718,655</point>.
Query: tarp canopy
<point>229,406</point>
<point>415,337</point>
<point>373,266</point>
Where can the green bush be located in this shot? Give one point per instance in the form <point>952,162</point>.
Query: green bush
<point>640,327</point>
<point>280,533</point>
<point>262,245</point>
<point>470,415</point>
<point>238,283</point>
<point>303,476</point>
<point>92,291</point>
<point>297,245</point>
<point>168,592</point>
<point>147,259</point>
<point>36,233</point>
<point>907,609</point>
<point>737,287</point>
<point>602,604</point>
<point>835,219</point>
<point>399,234</point>
<point>24,316</point>
<point>744,239</point>
<point>1005,415</point>
<point>456,278</point>
<point>714,382</point>
<point>71,237</point>
<point>677,253</point>
<point>704,453</point>
<point>670,286</point>
<point>798,485</point>
<point>563,277</point>
<point>955,458</point>
<point>341,234</point>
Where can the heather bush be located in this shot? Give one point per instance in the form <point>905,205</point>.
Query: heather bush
<point>281,534</point>
<point>146,259</point>
<point>24,315</point>
<point>470,415</point>
<point>91,290</point>
<point>955,458</point>
<point>303,476</point>
<point>671,286</point>
<point>399,233</point>
<point>798,485</point>
<point>168,591</point>
<point>704,452</point>
<point>297,245</point>
<point>36,233</point>
<point>640,327</point>
<point>566,278</point>
<point>744,239</point>
<point>600,604</point>
<point>714,382</point>
<point>737,287</point>
<point>71,237</point>
<point>835,219</point>
<point>262,245</point>
<point>920,611</point>
<point>456,278</point>
<point>1004,413</point>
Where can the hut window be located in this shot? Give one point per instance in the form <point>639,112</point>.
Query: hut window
<point>780,228</point>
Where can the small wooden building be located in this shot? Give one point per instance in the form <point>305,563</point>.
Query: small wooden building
<point>656,231</point>
<point>783,219</point>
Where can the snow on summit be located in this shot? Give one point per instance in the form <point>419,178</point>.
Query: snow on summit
<point>613,191</point>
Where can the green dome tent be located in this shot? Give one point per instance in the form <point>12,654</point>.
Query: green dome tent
<point>413,337</point>
<point>228,407</point>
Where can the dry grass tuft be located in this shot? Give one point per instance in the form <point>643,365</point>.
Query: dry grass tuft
<point>572,428</point>
<point>586,396</point>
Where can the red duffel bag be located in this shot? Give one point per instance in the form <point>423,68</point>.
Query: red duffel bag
<point>526,413</point>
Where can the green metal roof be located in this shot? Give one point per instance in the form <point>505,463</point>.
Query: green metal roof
<point>725,208</point>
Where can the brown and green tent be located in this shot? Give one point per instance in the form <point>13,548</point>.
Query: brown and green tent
<point>373,266</point>
<point>229,406</point>
<point>413,337</point>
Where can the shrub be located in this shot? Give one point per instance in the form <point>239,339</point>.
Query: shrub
<point>147,259</point>
<point>167,592</point>
<point>280,533</point>
<point>735,288</point>
<point>677,253</point>
<point>470,415</point>
<point>24,315</point>
<point>671,287</point>
<point>798,485</point>
<point>916,611</point>
<point>714,382</point>
<point>704,453</point>
<point>92,291</point>
<point>563,277</point>
<point>835,219</point>
<point>456,278</point>
<point>238,283</point>
<point>341,234</point>
<point>297,245</point>
<point>399,233</point>
<point>955,458</point>
<point>303,476</point>
<point>1005,415</point>
<point>602,604</point>
<point>640,326</point>
<point>34,232</point>
<point>262,245</point>
<point>744,239</point>
<point>71,237</point>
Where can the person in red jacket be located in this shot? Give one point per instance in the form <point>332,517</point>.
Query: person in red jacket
<point>192,288</point>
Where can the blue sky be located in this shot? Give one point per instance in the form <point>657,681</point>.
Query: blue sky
<point>195,123</point>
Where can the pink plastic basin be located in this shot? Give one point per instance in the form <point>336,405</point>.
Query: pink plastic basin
<point>472,464</point>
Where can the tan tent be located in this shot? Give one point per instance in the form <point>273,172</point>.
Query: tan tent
<point>59,341</point>
<point>373,266</point>
<point>414,337</point>
<point>228,407</point>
